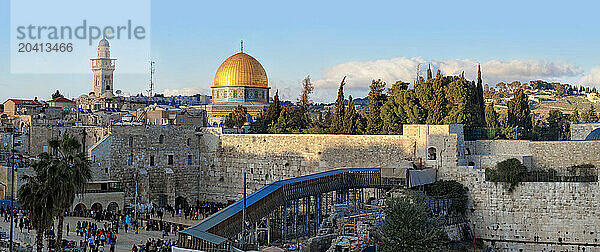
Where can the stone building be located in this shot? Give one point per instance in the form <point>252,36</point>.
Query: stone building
<point>240,80</point>
<point>22,107</point>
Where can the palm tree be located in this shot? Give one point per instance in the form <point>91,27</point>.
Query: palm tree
<point>35,196</point>
<point>69,174</point>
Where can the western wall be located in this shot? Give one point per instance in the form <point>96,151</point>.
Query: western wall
<point>536,216</point>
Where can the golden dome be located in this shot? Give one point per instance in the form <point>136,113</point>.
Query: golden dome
<point>241,70</point>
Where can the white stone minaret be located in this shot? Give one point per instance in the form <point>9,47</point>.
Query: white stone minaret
<point>103,67</point>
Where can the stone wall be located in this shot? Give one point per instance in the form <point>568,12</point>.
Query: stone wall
<point>268,158</point>
<point>218,161</point>
<point>536,216</point>
<point>558,155</point>
<point>580,130</point>
<point>103,198</point>
<point>40,135</point>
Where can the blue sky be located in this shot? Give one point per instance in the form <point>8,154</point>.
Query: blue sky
<point>516,40</point>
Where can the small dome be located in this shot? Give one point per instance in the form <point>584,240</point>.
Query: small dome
<point>103,43</point>
<point>108,94</point>
<point>83,96</point>
<point>594,135</point>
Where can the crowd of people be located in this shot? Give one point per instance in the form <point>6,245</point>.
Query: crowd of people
<point>95,238</point>
<point>157,245</point>
<point>101,231</point>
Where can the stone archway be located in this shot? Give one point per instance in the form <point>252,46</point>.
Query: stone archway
<point>97,207</point>
<point>181,202</point>
<point>113,207</point>
<point>80,207</point>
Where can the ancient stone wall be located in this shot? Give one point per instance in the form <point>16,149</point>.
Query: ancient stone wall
<point>536,216</point>
<point>581,130</point>
<point>40,135</point>
<point>558,155</point>
<point>268,158</point>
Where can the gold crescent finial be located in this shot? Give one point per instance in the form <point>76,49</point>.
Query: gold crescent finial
<point>241,46</point>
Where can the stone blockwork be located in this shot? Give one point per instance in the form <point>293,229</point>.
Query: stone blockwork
<point>558,155</point>
<point>212,166</point>
<point>536,216</point>
<point>40,135</point>
<point>165,161</point>
<point>579,131</point>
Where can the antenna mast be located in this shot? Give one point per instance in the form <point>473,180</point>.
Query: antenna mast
<point>151,90</point>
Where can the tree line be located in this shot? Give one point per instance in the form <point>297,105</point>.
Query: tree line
<point>431,100</point>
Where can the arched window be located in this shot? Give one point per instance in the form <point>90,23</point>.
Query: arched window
<point>161,139</point>
<point>431,153</point>
<point>107,87</point>
<point>131,141</point>
<point>189,142</point>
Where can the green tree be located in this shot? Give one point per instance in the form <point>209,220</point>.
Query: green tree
<point>409,226</point>
<point>377,98</point>
<point>36,195</point>
<point>519,115</point>
<point>479,100</point>
<point>338,115</point>
<point>392,117</point>
<point>461,103</point>
<point>429,76</point>
<point>291,120</point>
<point>558,127</point>
<point>491,117</point>
<point>68,174</point>
<point>491,121</point>
<point>351,119</point>
<point>237,117</point>
<point>56,95</point>
<point>575,117</point>
<point>590,115</point>
<point>268,117</point>
<point>304,101</point>
<point>510,172</point>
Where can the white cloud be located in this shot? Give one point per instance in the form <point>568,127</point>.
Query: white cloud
<point>184,91</point>
<point>592,78</point>
<point>360,73</point>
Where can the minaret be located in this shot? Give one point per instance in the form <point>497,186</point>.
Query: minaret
<point>103,67</point>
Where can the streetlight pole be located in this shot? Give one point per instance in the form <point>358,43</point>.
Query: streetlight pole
<point>12,188</point>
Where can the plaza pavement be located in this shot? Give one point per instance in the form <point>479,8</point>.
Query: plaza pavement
<point>124,240</point>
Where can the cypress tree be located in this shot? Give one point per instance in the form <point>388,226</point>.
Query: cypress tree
<point>338,116</point>
<point>590,115</point>
<point>429,73</point>
<point>480,100</point>
<point>376,100</point>
<point>350,118</point>
<point>519,115</point>
<point>268,117</point>
<point>491,117</point>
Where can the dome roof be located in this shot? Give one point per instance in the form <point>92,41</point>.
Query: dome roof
<point>241,69</point>
<point>594,135</point>
<point>103,43</point>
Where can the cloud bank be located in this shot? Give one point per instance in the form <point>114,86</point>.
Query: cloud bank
<point>360,73</point>
<point>592,78</point>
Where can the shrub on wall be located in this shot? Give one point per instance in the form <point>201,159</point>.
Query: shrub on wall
<point>450,189</point>
<point>510,172</point>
